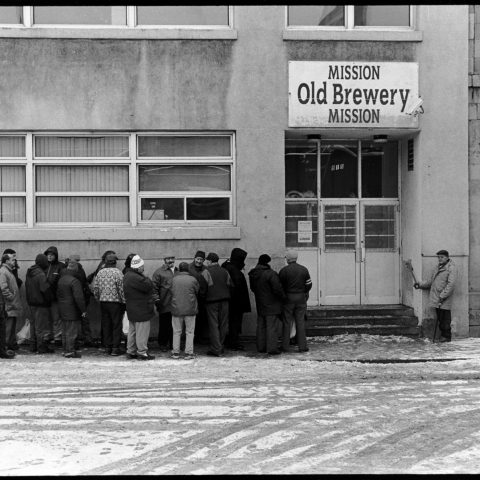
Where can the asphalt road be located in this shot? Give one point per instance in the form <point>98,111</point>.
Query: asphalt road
<point>241,414</point>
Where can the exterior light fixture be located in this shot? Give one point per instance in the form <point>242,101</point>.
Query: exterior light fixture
<point>380,138</point>
<point>314,137</point>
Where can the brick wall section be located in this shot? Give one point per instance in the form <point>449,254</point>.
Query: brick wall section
<point>474,167</point>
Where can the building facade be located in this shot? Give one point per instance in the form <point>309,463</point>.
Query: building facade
<point>339,131</point>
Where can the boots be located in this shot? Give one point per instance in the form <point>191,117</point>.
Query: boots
<point>44,348</point>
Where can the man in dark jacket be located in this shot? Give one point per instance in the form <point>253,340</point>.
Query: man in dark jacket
<point>216,305</point>
<point>138,290</point>
<point>72,306</point>
<point>296,283</point>
<point>39,298</point>
<point>53,276</point>
<point>240,299</point>
<point>269,298</point>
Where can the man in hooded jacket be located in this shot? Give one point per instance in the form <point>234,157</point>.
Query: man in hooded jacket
<point>53,276</point>
<point>269,298</point>
<point>239,302</point>
<point>39,298</point>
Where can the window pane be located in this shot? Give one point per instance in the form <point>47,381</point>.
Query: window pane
<point>185,146</point>
<point>339,170</point>
<point>81,179</point>
<point>162,209</point>
<point>183,15</point>
<point>82,209</point>
<point>301,224</point>
<point>91,15</point>
<point>12,209</point>
<point>12,179</point>
<point>114,146</point>
<point>208,209</point>
<point>382,15</point>
<point>300,169</point>
<point>380,227</point>
<point>12,146</point>
<point>316,15</point>
<point>154,178</point>
<point>379,170</point>
<point>11,15</point>
<point>340,227</point>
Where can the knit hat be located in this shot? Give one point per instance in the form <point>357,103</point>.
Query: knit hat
<point>200,254</point>
<point>442,252</point>
<point>110,260</point>
<point>183,267</point>
<point>73,258</point>
<point>42,261</point>
<point>264,259</point>
<point>213,257</point>
<point>137,262</point>
<point>291,255</point>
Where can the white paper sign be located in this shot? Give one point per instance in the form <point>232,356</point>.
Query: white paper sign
<point>304,231</point>
<point>352,94</point>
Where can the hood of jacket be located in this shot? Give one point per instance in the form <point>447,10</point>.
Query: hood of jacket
<point>41,261</point>
<point>35,270</point>
<point>237,257</point>
<point>53,250</point>
<point>254,273</point>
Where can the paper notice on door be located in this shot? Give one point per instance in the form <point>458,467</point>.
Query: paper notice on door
<point>305,231</point>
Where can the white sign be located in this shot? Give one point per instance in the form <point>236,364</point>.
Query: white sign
<point>353,94</point>
<point>305,231</point>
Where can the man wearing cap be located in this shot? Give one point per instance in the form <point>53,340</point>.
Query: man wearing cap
<point>269,298</point>
<point>108,290</point>
<point>200,272</point>
<point>140,309</point>
<point>296,283</point>
<point>442,284</point>
<point>216,304</point>
<point>162,296</point>
<point>239,302</point>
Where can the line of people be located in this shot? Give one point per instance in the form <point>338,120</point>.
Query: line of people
<point>203,299</point>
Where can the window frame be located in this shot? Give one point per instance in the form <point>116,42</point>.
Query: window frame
<point>349,26</point>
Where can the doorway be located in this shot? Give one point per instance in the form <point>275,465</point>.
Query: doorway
<point>342,215</point>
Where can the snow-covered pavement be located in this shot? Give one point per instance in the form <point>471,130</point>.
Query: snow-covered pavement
<point>317,412</point>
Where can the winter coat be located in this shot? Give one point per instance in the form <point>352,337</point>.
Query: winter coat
<point>296,282</point>
<point>441,283</point>
<point>203,277</point>
<point>53,270</point>
<point>108,285</point>
<point>269,294</point>
<point>38,290</point>
<point>82,277</point>
<point>162,284</point>
<point>240,298</point>
<point>10,293</point>
<point>222,283</point>
<point>71,301</point>
<point>138,296</point>
<point>185,289</point>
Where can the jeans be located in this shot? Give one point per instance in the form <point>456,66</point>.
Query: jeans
<point>177,327</point>
<point>165,332</point>
<point>444,318</point>
<point>137,338</point>
<point>294,311</point>
<point>217,314</point>
<point>11,331</point>
<point>39,325</point>
<point>70,329</point>
<point>112,316</point>
<point>268,330</point>
<point>55,322</point>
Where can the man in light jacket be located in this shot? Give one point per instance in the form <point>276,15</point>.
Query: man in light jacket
<point>441,284</point>
<point>10,298</point>
<point>185,289</point>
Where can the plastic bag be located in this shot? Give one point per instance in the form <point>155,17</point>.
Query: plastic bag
<point>125,324</point>
<point>293,329</point>
<point>24,334</point>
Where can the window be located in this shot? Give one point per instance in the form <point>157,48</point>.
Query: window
<point>11,15</point>
<point>121,179</point>
<point>183,15</point>
<point>349,16</point>
<point>88,15</point>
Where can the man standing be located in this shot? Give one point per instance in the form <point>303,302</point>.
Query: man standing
<point>216,305</point>
<point>108,290</point>
<point>53,276</point>
<point>200,272</point>
<point>240,299</point>
<point>269,298</point>
<point>16,268</point>
<point>296,283</point>
<point>39,298</point>
<point>11,299</point>
<point>162,296</point>
<point>184,308</point>
<point>441,284</point>
<point>72,306</point>
<point>139,297</point>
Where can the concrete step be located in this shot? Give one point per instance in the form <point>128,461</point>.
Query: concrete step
<point>399,320</point>
<point>362,310</point>
<point>409,331</point>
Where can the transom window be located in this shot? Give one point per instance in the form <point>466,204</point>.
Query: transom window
<point>349,16</point>
<point>124,179</point>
